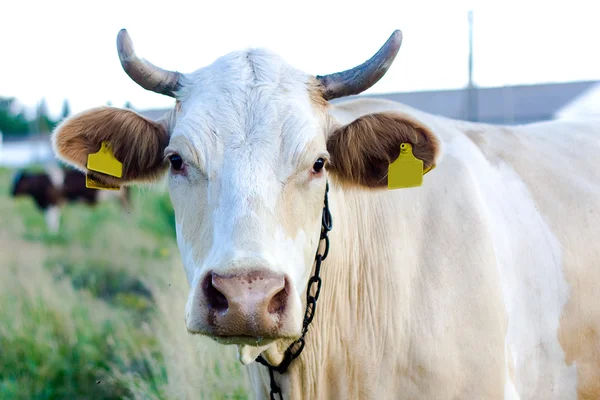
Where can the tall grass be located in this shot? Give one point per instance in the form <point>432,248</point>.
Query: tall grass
<point>96,311</point>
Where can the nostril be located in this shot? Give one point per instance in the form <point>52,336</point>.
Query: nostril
<point>278,302</point>
<point>215,299</point>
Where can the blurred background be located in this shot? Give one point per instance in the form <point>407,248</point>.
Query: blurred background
<point>92,291</point>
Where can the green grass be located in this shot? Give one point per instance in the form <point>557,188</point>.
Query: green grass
<point>96,311</point>
<point>64,356</point>
<point>113,284</point>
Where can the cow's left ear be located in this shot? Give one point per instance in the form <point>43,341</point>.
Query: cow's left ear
<point>137,142</point>
<point>362,151</point>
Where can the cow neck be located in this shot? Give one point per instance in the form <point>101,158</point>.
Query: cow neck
<point>293,351</point>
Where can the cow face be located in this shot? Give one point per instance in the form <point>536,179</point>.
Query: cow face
<point>36,185</point>
<point>247,182</point>
<point>248,148</point>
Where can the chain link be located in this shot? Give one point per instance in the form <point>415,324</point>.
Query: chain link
<point>294,350</point>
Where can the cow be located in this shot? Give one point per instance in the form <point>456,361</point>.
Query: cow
<point>482,283</point>
<point>56,186</point>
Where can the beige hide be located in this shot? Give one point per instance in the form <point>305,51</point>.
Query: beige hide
<point>481,284</point>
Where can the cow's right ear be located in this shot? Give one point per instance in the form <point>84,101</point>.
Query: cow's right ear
<point>137,142</point>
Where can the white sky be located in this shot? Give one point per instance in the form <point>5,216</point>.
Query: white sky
<point>67,49</point>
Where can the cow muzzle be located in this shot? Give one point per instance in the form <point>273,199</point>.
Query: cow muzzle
<point>245,307</point>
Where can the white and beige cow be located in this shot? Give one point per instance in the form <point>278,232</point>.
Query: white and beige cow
<point>481,284</point>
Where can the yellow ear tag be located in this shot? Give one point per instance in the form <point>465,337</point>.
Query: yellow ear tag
<point>407,170</point>
<point>104,162</point>
<point>92,184</point>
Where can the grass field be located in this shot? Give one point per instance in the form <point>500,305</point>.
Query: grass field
<point>96,311</point>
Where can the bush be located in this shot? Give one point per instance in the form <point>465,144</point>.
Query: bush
<point>115,285</point>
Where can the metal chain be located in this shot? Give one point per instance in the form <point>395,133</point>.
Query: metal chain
<point>294,349</point>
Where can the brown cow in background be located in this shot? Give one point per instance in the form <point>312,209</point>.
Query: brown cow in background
<point>57,186</point>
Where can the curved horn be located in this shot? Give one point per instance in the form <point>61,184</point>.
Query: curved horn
<point>143,72</point>
<point>362,77</point>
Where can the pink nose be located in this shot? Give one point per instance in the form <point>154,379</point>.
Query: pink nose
<point>246,304</point>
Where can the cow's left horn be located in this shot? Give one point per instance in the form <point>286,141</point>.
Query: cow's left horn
<point>143,72</point>
<point>362,77</point>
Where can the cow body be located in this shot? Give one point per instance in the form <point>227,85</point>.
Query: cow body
<point>57,186</point>
<point>479,284</point>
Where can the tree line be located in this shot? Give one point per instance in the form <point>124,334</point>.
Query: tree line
<point>15,121</point>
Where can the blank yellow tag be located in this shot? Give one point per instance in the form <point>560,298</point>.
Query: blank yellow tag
<point>92,184</point>
<point>407,170</point>
<point>105,162</point>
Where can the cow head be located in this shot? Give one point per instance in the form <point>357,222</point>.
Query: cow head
<point>248,147</point>
<point>36,185</point>
<point>19,185</point>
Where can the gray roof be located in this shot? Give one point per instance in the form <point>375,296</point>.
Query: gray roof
<point>585,105</point>
<point>496,105</point>
<point>153,114</point>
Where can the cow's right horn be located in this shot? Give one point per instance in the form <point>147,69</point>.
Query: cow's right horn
<point>143,72</point>
<point>360,78</point>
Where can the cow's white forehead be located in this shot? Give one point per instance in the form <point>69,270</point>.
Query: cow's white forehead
<point>247,103</point>
<point>248,122</point>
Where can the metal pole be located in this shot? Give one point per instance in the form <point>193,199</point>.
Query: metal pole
<point>471,89</point>
<point>470,48</point>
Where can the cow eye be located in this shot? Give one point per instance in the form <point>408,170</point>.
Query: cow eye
<point>176,162</point>
<point>318,166</point>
